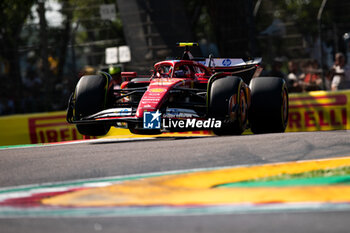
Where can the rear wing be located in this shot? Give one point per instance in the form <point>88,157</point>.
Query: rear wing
<point>236,66</point>
<point>229,63</point>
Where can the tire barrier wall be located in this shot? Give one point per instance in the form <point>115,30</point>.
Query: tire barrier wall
<point>311,111</point>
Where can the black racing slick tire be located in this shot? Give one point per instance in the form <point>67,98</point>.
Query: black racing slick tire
<point>268,112</point>
<point>227,102</point>
<point>91,95</point>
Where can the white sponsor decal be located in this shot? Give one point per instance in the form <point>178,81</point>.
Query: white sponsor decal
<point>225,62</point>
<point>180,113</point>
<point>115,112</point>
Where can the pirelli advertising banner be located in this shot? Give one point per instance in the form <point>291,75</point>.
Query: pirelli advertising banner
<point>319,110</point>
<point>311,111</point>
<point>36,128</point>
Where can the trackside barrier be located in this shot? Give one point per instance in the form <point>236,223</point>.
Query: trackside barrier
<point>311,111</point>
<point>319,110</point>
<point>36,128</point>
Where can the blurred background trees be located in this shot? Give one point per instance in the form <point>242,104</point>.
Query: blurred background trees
<point>47,45</point>
<point>13,16</point>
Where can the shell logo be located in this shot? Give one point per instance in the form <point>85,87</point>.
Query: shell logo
<point>157,90</point>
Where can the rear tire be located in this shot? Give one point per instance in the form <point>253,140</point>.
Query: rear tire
<point>90,97</point>
<point>228,102</point>
<point>269,105</point>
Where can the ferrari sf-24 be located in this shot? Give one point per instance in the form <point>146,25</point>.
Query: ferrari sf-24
<point>225,95</point>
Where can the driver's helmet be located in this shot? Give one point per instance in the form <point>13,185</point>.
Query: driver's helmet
<point>181,71</point>
<point>163,71</point>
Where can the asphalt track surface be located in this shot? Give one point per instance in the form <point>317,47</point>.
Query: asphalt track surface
<point>90,160</point>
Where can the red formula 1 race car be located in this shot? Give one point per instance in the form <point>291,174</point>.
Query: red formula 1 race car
<point>224,95</point>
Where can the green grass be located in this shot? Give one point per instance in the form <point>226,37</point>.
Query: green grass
<point>340,171</point>
<point>340,175</point>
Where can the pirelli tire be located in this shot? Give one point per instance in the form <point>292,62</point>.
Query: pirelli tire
<point>227,101</point>
<point>91,96</point>
<point>268,112</point>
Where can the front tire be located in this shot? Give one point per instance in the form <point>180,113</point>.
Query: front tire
<point>91,97</point>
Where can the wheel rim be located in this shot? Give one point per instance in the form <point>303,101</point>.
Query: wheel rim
<point>232,107</point>
<point>284,110</point>
<point>243,106</point>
